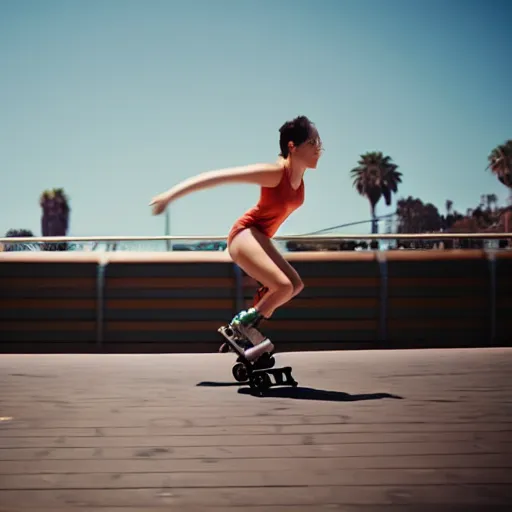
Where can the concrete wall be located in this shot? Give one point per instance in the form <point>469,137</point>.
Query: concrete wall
<point>174,302</point>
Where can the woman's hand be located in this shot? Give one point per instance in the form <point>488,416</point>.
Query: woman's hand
<point>159,203</point>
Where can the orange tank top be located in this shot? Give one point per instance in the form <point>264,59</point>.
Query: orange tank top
<point>274,207</point>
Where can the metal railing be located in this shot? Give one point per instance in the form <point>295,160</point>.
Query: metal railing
<point>285,238</point>
<point>285,243</point>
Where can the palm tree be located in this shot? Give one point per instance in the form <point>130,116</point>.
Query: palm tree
<point>374,177</point>
<point>55,218</point>
<point>500,162</point>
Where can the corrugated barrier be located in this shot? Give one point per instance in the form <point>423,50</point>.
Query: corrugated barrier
<point>174,302</point>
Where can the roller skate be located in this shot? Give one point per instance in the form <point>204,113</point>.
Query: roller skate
<point>246,324</point>
<point>244,339</point>
<point>236,342</point>
<point>258,371</point>
<point>255,360</point>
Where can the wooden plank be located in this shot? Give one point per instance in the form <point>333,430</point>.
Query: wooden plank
<point>330,302</point>
<point>333,464</point>
<point>47,265</point>
<point>277,508</point>
<point>226,496</point>
<point>168,282</point>
<point>504,255</point>
<point>216,430</point>
<point>249,478</point>
<point>192,304</point>
<point>420,324</point>
<point>324,325</point>
<point>206,325</point>
<point>47,325</point>
<point>47,303</point>
<point>20,340</point>
<point>170,293</point>
<point>337,282</point>
<point>249,452</point>
<point>143,344</point>
<point>32,345</point>
<point>504,303</point>
<point>311,281</point>
<point>84,283</point>
<point>281,508</point>
<point>176,440</point>
<point>197,267</point>
<point>48,293</point>
<point>439,302</point>
<point>333,267</point>
<point>434,281</point>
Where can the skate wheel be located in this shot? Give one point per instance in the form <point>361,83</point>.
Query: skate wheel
<point>262,381</point>
<point>240,372</point>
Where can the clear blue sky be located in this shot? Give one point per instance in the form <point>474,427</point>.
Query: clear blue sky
<point>118,100</point>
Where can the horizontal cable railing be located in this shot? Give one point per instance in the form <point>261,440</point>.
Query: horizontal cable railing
<point>284,238</point>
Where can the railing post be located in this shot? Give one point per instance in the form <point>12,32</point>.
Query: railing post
<point>100,301</point>
<point>491,258</point>
<point>383,267</point>
<point>239,288</point>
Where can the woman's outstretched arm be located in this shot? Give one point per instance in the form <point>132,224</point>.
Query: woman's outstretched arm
<point>265,175</point>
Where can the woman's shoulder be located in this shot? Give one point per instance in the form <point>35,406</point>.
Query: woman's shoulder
<point>280,166</point>
<point>280,163</point>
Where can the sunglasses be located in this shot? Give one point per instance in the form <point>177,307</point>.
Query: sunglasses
<point>316,142</point>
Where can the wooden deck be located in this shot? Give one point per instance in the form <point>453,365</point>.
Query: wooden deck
<point>418,430</point>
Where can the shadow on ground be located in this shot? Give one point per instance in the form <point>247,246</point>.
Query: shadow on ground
<point>209,384</point>
<point>300,393</point>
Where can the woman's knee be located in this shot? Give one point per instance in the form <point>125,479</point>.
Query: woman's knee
<point>287,286</point>
<point>282,285</point>
<point>297,288</point>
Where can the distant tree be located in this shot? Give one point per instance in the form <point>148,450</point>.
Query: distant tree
<point>375,177</point>
<point>486,217</point>
<point>19,233</point>
<point>414,216</point>
<point>451,216</point>
<point>491,201</point>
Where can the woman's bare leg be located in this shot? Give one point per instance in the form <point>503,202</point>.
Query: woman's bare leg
<point>254,253</point>
<point>257,256</point>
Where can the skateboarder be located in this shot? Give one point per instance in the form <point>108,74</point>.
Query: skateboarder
<point>249,240</point>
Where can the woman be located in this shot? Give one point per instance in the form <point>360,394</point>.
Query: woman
<point>249,240</point>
